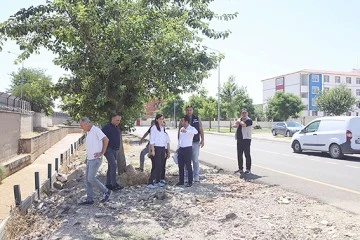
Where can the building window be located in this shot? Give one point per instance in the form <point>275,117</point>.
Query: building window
<point>304,95</point>
<point>326,78</point>
<point>357,92</point>
<point>326,89</point>
<point>314,113</point>
<point>315,89</point>
<point>357,80</point>
<point>348,80</point>
<point>348,114</point>
<point>337,79</point>
<point>315,78</point>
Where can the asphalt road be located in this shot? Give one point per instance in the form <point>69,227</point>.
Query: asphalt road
<point>335,182</point>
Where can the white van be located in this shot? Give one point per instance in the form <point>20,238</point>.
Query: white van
<point>336,135</point>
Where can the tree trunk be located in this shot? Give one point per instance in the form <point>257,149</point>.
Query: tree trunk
<point>121,160</point>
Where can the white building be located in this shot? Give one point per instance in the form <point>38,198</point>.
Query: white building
<point>307,83</point>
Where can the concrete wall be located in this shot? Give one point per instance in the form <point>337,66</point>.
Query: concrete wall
<point>41,120</point>
<point>39,144</point>
<point>27,124</point>
<point>10,134</point>
<point>292,83</point>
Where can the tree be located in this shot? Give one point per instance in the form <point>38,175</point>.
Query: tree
<point>167,108</point>
<point>336,101</point>
<point>233,98</point>
<point>284,105</point>
<point>119,53</point>
<point>259,113</point>
<point>35,87</point>
<point>208,110</point>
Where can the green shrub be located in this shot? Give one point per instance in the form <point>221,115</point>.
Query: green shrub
<point>2,172</point>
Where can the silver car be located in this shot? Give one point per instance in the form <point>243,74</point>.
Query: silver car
<point>286,128</point>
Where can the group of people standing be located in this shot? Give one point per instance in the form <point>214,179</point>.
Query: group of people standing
<point>99,143</point>
<point>190,138</point>
<point>106,142</point>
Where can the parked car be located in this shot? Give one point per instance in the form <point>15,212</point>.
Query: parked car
<point>286,128</point>
<point>336,135</point>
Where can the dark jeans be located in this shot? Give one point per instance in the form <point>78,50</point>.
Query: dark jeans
<point>243,146</point>
<point>184,159</point>
<point>157,162</point>
<point>110,155</point>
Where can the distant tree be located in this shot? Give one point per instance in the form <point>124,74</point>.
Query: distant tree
<point>167,108</point>
<point>228,93</point>
<point>284,105</point>
<point>35,87</point>
<point>259,113</point>
<point>336,101</point>
<point>209,110</point>
<point>234,98</point>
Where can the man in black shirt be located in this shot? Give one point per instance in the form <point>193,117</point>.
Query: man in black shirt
<point>112,131</point>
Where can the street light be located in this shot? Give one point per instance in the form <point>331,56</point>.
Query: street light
<point>218,89</point>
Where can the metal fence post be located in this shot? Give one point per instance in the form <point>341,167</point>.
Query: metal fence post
<point>37,184</point>
<point>49,174</point>
<point>17,195</point>
<point>57,164</point>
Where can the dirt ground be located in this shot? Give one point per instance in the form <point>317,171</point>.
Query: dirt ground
<point>221,206</point>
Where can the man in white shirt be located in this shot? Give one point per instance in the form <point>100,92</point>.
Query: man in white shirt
<point>96,145</point>
<point>186,135</point>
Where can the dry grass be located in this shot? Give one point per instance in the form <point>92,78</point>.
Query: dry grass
<point>30,223</point>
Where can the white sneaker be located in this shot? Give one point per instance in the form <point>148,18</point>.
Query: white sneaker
<point>163,181</point>
<point>151,186</point>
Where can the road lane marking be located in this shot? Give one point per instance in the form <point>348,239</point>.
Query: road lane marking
<point>351,166</point>
<point>295,176</point>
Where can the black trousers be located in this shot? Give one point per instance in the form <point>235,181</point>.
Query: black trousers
<point>163,167</point>
<point>184,159</point>
<point>157,162</point>
<point>243,146</point>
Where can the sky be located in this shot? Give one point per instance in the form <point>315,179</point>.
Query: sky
<point>269,38</point>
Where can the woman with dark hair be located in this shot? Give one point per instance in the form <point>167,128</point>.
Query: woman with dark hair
<point>158,141</point>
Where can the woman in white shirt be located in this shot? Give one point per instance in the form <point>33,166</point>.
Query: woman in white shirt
<point>158,141</point>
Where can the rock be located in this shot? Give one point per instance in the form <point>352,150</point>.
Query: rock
<point>130,170</point>
<point>324,222</point>
<point>77,223</point>
<point>77,174</point>
<point>71,183</point>
<point>160,195</point>
<point>283,200</point>
<point>100,215</point>
<point>230,216</point>
<point>64,192</point>
<point>61,178</point>
<point>58,185</point>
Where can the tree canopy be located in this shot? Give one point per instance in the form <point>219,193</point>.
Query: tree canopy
<point>284,105</point>
<point>35,87</point>
<point>233,98</point>
<point>167,108</point>
<point>335,101</point>
<point>119,53</point>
